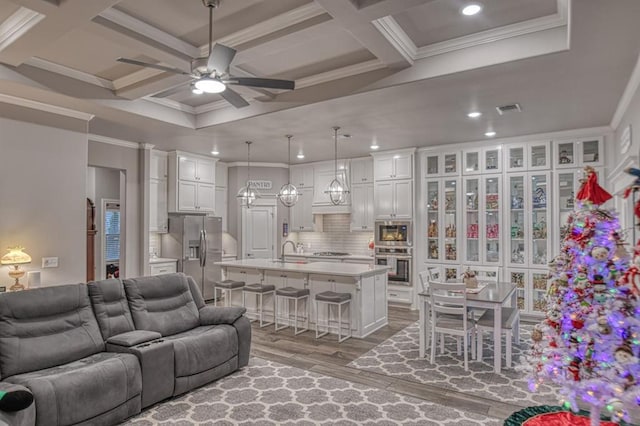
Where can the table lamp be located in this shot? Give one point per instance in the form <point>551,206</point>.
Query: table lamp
<point>15,257</point>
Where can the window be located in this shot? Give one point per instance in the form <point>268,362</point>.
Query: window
<point>112,232</point>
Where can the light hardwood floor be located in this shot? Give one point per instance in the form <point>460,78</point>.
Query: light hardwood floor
<point>328,357</point>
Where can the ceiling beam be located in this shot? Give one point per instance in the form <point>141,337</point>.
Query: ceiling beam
<point>57,21</point>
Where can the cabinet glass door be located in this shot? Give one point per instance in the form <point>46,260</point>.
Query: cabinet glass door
<point>492,219</point>
<point>519,278</point>
<point>471,162</point>
<point>451,220</point>
<point>452,272</point>
<point>451,164</point>
<point>539,288</point>
<point>516,158</point>
<point>491,160</point>
<point>566,200</point>
<point>431,165</point>
<point>517,223</point>
<point>565,154</point>
<point>433,222</point>
<point>472,220</point>
<point>539,156</point>
<point>591,152</point>
<point>539,219</point>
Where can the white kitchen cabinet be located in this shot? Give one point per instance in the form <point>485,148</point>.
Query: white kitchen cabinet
<point>158,205</point>
<point>301,218</point>
<point>394,199</point>
<point>302,176</point>
<point>400,294</point>
<point>282,279</point>
<point>322,179</point>
<point>441,163</point>
<point>443,220</point>
<point>481,220</point>
<point>222,173</point>
<point>158,166</point>
<point>221,206</point>
<point>191,183</point>
<point>482,160</point>
<point>361,171</point>
<point>362,217</point>
<point>578,152</point>
<point>393,166</point>
<point>539,155</point>
<point>160,268</point>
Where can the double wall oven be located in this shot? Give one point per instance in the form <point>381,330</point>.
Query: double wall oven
<point>394,249</point>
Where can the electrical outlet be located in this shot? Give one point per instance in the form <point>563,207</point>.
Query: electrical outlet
<point>49,262</point>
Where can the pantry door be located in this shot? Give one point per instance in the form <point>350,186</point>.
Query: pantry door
<point>259,232</point>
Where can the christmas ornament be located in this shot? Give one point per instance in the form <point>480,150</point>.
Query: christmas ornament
<point>600,253</point>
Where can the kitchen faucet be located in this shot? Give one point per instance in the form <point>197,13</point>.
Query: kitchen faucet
<point>283,246</point>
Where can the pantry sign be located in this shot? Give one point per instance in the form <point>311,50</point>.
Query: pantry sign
<point>261,184</point>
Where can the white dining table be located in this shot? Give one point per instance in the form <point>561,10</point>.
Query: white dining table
<point>493,296</point>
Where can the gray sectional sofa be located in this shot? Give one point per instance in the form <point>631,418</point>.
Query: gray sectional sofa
<point>96,354</point>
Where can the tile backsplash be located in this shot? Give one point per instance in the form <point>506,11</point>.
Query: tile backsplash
<point>154,244</point>
<point>337,236</point>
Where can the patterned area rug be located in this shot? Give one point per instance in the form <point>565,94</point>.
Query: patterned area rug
<point>268,393</point>
<point>398,357</point>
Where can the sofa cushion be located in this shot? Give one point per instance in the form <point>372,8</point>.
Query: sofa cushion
<point>83,389</point>
<point>203,348</point>
<point>45,327</point>
<point>162,303</point>
<point>110,306</point>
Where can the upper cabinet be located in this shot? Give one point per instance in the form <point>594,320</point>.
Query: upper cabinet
<point>302,176</point>
<point>482,160</point>
<point>191,183</point>
<point>222,171</point>
<point>324,174</point>
<point>361,171</point>
<point>158,169</point>
<point>393,166</point>
<point>578,152</point>
<point>394,199</point>
<point>520,157</point>
<point>158,192</point>
<point>441,164</point>
<point>362,217</point>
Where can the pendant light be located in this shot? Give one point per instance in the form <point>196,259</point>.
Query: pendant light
<point>337,189</point>
<point>288,194</point>
<point>248,193</point>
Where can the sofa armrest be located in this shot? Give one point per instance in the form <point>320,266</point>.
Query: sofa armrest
<point>214,315</point>
<point>26,417</point>
<point>132,338</point>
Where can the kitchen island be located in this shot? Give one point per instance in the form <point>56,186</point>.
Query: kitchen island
<point>367,285</point>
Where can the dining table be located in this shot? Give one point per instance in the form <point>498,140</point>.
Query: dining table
<point>494,295</point>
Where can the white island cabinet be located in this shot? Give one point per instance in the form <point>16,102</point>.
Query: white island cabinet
<point>367,285</point>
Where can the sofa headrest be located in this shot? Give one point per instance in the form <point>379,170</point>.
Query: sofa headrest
<point>46,327</point>
<point>162,303</point>
<point>111,307</point>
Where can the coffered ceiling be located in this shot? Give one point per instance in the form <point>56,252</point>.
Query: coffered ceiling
<point>398,72</point>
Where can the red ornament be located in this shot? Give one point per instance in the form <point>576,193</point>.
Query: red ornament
<point>591,190</point>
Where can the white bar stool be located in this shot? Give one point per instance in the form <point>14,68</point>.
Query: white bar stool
<point>260,290</point>
<point>296,294</point>
<point>331,298</point>
<point>226,287</point>
<point>510,327</point>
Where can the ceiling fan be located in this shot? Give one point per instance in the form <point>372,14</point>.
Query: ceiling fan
<point>211,74</point>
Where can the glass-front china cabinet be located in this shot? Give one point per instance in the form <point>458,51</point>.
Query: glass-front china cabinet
<point>443,220</point>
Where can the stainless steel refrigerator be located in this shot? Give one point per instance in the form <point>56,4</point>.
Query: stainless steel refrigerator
<point>196,241</point>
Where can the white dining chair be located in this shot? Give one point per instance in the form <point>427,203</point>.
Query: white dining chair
<point>449,316</point>
<point>486,274</point>
<point>510,327</point>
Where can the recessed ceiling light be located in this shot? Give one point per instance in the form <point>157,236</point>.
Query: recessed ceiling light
<point>471,9</point>
<point>374,146</point>
<point>490,134</point>
<point>215,152</point>
<point>474,114</point>
<point>300,156</point>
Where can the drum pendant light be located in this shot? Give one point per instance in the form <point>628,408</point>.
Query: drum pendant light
<point>337,189</point>
<point>288,194</point>
<point>248,193</point>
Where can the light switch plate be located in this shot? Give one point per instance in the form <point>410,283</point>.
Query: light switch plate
<point>49,262</point>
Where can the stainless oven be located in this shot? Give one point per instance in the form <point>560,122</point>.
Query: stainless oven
<point>393,233</point>
<point>400,260</point>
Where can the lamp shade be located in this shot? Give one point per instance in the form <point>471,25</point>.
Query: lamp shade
<point>15,256</point>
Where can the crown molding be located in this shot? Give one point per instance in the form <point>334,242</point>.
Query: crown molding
<point>253,164</point>
<point>16,25</point>
<point>69,72</point>
<point>395,35</point>
<point>169,103</point>
<point>625,100</point>
<point>277,23</point>
<point>41,106</point>
<point>212,106</point>
<point>147,146</point>
<point>116,142</point>
<point>129,22</point>
<point>348,71</point>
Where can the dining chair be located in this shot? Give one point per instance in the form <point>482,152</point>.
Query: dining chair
<point>487,274</point>
<point>510,327</point>
<point>449,316</point>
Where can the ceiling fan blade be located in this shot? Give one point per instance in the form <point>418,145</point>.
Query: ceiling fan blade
<point>234,98</point>
<point>171,91</point>
<point>148,65</point>
<point>267,83</point>
<point>220,58</point>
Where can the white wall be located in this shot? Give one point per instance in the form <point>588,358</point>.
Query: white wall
<point>43,171</point>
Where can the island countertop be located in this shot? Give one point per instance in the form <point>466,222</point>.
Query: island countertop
<point>320,268</point>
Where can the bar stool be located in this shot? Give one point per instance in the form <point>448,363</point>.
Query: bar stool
<point>331,298</point>
<point>260,290</point>
<point>288,294</point>
<point>226,287</point>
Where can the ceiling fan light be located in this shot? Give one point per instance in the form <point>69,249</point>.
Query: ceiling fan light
<point>196,91</point>
<point>210,85</point>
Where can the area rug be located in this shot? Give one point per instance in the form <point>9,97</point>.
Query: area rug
<point>268,393</point>
<point>398,357</point>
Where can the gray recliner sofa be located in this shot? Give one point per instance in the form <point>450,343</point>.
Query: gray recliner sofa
<point>51,344</point>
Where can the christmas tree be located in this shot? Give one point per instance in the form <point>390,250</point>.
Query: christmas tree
<point>589,342</point>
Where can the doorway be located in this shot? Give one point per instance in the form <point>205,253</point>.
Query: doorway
<point>259,230</point>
